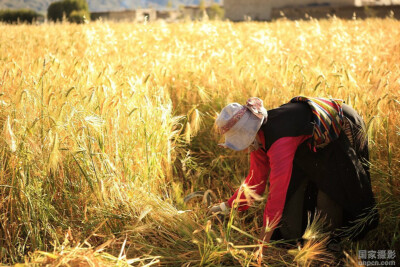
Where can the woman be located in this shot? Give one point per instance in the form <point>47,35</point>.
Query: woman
<point>315,153</point>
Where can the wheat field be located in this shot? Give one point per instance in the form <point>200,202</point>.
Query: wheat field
<point>105,127</point>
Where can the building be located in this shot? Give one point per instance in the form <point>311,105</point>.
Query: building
<point>239,10</point>
<point>169,15</point>
<point>194,12</point>
<point>138,15</point>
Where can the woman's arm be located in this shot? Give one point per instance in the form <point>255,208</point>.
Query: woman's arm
<point>256,180</point>
<point>281,155</point>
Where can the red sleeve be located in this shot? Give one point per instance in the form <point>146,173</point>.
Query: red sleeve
<point>280,155</point>
<point>255,181</point>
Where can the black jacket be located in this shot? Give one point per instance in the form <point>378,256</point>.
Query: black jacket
<point>339,169</point>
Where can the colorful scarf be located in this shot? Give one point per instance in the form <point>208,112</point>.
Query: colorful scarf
<point>327,118</point>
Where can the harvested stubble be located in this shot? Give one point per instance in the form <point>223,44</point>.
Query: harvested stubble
<point>105,127</point>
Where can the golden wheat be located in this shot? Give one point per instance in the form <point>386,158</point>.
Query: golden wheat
<point>107,125</point>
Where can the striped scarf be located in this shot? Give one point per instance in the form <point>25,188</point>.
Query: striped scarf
<point>327,118</point>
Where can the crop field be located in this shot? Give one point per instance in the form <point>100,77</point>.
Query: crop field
<point>106,127</point>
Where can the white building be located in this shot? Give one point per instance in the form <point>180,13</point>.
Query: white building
<point>138,15</point>
<point>238,10</point>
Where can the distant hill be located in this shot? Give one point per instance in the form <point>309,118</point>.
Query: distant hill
<point>98,5</point>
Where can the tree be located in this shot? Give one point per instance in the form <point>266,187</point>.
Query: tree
<point>202,5</point>
<point>79,17</point>
<point>216,12</point>
<point>170,4</point>
<point>57,10</point>
<point>75,5</point>
<point>19,15</point>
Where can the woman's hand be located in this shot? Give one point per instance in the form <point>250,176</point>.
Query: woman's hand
<point>266,236</point>
<point>219,209</point>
